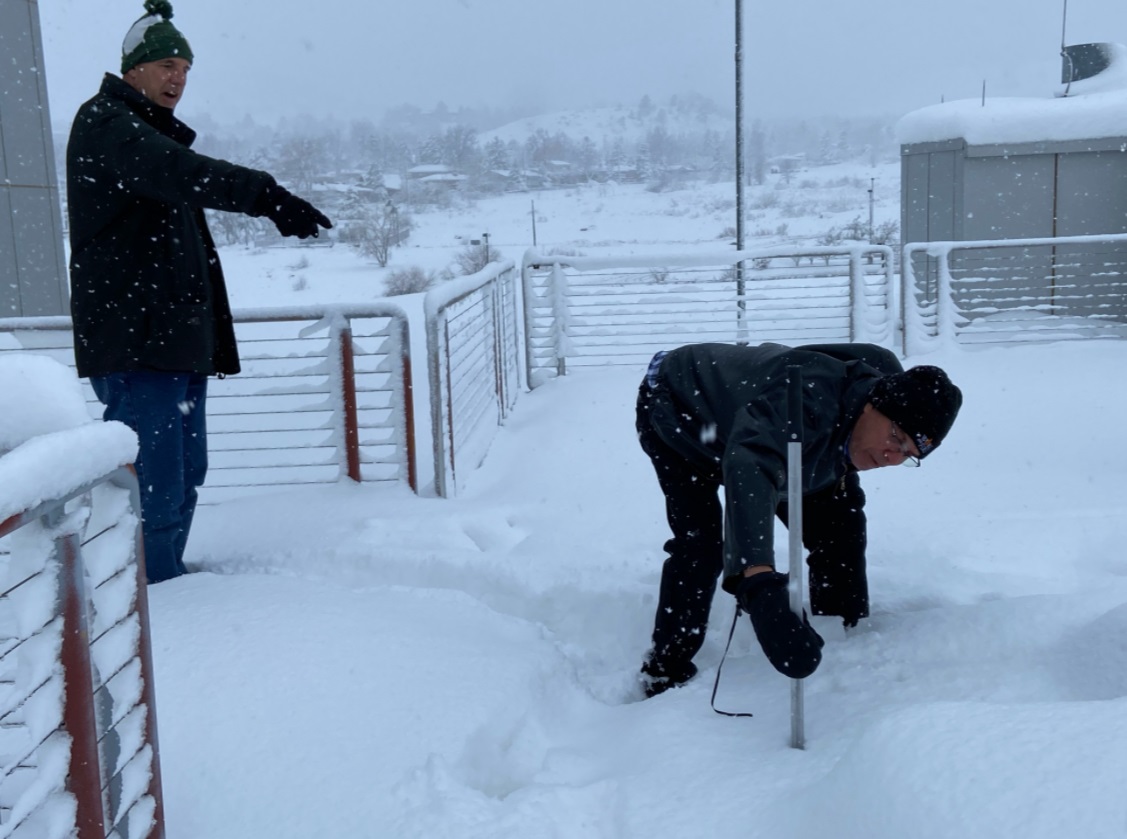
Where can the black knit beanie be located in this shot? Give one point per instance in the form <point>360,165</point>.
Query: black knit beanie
<point>922,401</point>
<point>153,37</point>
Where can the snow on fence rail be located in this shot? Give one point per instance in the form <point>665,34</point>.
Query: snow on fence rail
<point>78,734</point>
<point>1014,290</point>
<point>325,393</point>
<point>584,311</point>
<point>474,356</point>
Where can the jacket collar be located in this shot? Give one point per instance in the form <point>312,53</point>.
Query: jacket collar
<point>159,118</point>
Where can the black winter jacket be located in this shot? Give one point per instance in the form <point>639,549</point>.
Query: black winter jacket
<point>723,408</point>
<point>147,290</point>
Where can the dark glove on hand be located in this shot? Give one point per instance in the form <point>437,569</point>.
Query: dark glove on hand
<point>790,643</point>
<point>846,597</point>
<point>292,216</point>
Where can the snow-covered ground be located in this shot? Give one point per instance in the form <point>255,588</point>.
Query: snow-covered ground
<point>362,662</point>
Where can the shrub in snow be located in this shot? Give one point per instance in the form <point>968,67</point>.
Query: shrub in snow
<point>473,258</point>
<point>408,281</point>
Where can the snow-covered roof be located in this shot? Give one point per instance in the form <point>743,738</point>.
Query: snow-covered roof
<point>1093,108</point>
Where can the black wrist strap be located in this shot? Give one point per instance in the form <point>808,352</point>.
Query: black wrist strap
<point>720,669</point>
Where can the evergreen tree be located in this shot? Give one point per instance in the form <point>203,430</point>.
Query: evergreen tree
<point>496,155</point>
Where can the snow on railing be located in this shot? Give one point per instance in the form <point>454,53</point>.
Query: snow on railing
<point>325,393</point>
<point>1013,290</point>
<point>78,736</point>
<point>587,311</point>
<point>473,353</point>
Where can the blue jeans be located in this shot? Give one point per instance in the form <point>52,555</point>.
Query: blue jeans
<point>167,412</point>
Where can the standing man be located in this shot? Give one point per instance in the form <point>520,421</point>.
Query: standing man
<point>715,414</point>
<point>149,305</point>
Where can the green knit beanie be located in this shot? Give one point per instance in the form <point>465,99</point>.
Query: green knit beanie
<point>153,37</point>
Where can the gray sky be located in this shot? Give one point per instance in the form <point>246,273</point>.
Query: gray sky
<point>354,58</point>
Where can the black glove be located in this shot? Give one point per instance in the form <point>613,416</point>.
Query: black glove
<point>844,595</point>
<point>292,216</point>
<point>790,643</point>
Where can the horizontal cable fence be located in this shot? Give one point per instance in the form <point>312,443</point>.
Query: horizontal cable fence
<point>78,733</point>
<point>324,393</point>
<point>1014,290</point>
<point>474,354</point>
<point>587,311</point>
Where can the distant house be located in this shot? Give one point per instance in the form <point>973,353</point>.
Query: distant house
<point>500,180</point>
<point>785,164</point>
<point>393,184</point>
<point>563,173</point>
<point>427,170</point>
<point>434,176</point>
<point>625,174</point>
<point>446,180</point>
<point>532,179</point>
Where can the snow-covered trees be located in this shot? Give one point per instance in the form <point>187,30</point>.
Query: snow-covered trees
<point>373,228</point>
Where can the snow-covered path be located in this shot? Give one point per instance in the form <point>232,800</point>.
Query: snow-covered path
<point>366,663</point>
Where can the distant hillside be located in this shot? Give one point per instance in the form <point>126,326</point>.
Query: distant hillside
<point>631,125</point>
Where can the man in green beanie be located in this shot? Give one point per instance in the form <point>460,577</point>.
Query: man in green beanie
<point>151,317</point>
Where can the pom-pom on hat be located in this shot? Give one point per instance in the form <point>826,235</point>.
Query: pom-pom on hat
<point>922,401</point>
<point>153,37</point>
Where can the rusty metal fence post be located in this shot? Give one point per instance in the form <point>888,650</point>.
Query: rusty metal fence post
<point>57,582</point>
<point>84,781</point>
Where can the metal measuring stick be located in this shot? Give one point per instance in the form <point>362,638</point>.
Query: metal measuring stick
<point>794,526</point>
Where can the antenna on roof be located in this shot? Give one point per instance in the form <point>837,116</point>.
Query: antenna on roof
<point>1063,51</point>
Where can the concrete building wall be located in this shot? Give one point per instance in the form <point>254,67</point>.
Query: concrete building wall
<point>33,277</point>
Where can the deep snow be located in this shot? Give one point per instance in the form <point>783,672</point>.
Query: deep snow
<point>361,662</point>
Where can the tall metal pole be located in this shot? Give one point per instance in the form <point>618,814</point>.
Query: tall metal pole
<point>872,186</point>
<point>794,526</point>
<point>741,303</point>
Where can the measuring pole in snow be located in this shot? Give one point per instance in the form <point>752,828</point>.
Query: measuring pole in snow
<point>794,525</point>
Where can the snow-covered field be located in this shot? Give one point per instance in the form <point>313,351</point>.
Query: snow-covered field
<point>601,219</point>
<point>362,662</point>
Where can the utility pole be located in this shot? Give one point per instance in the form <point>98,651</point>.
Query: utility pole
<point>739,128</point>
<point>741,303</point>
<point>872,184</point>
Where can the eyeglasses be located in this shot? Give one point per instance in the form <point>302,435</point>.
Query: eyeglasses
<point>905,448</point>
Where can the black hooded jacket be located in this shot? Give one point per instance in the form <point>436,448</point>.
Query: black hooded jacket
<point>147,290</point>
<point>723,408</point>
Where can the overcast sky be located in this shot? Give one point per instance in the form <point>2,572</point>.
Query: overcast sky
<point>354,58</point>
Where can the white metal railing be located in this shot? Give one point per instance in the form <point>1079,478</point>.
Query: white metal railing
<point>325,393</point>
<point>473,353</point>
<point>1014,290</point>
<point>78,734</point>
<point>583,311</point>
